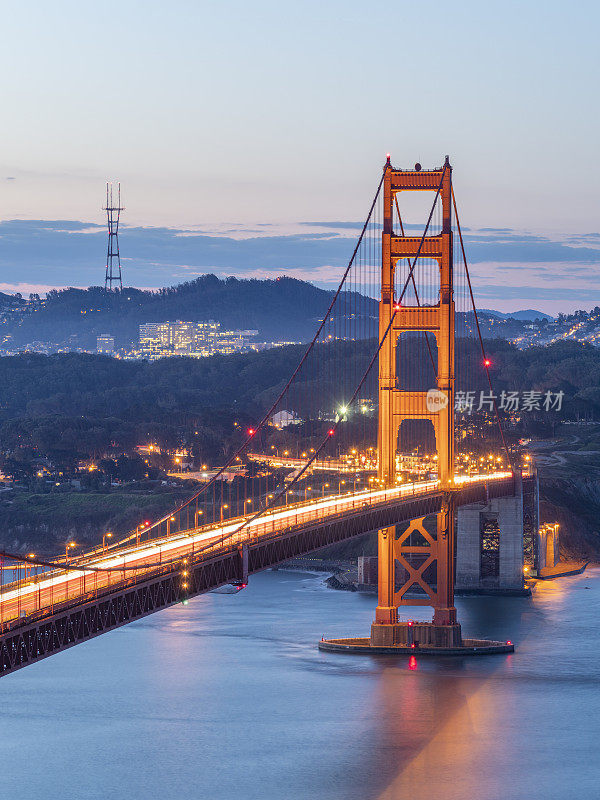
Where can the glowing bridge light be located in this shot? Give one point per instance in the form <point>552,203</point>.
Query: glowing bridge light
<point>330,432</point>
<point>487,362</point>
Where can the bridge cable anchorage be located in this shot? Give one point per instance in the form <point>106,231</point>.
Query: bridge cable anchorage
<point>335,426</point>
<point>486,362</point>
<point>252,434</point>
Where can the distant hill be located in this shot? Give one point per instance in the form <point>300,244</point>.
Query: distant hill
<point>282,309</point>
<point>528,315</point>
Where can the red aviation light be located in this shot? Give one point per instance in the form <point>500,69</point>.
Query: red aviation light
<point>487,362</point>
<point>330,432</point>
<point>251,431</point>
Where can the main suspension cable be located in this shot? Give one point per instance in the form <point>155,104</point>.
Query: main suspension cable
<point>274,405</point>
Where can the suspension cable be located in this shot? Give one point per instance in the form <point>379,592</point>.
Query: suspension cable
<point>480,337</point>
<point>331,432</point>
<point>269,413</point>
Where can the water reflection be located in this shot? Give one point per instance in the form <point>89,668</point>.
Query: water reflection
<point>434,733</point>
<point>228,696</point>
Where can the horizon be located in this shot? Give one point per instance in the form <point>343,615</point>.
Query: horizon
<point>550,274</point>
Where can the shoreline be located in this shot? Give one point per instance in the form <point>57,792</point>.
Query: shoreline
<point>343,576</point>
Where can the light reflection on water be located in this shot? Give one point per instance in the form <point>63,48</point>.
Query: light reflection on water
<point>229,697</point>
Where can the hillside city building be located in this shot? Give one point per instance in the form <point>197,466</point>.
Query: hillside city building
<point>196,339</point>
<point>105,343</point>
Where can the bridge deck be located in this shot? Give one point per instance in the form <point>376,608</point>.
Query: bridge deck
<point>61,608</point>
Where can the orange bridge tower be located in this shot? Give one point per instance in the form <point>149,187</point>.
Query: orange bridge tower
<point>418,559</point>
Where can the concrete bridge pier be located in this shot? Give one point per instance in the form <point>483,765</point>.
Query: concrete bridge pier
<point>547,547</point>
<point>489,545</point>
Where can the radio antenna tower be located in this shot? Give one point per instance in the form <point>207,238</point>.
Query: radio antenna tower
<point>113,280</point>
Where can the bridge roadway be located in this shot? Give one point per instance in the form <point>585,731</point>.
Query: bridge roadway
<point>323,465</point>
<point>59,607</point>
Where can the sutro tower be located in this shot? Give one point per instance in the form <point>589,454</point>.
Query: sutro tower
<point>113,280</point>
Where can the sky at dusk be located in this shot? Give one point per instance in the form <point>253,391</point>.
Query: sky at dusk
<point>231,125</point>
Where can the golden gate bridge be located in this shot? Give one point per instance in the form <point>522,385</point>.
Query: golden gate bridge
<point>397,347</point>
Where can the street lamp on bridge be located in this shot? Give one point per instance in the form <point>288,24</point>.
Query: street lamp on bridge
<point>138,531</point>
<point>29,555</point>
<point>67,547</point>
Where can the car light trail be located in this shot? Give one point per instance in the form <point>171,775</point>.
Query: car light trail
<point>29,596</point>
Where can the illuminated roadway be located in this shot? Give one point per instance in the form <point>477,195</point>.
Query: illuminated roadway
<point>53,587</point>
<point>325,465</point>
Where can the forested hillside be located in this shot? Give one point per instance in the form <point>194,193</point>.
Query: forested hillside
<point>77,407</point>
<point>281,309</point>
<point>90,401</point>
